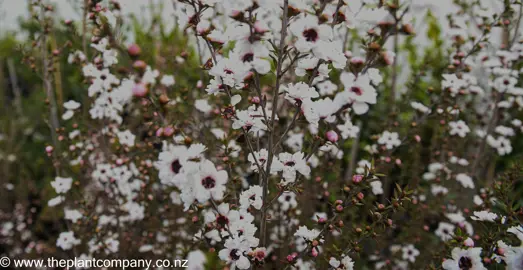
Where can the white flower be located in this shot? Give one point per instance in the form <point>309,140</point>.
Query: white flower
<point>326,87</point>
<point>287,201</point>
<point>505,131</point>
<point>308,235</point>
<point>464,259</point>
<point>196,260</point>
<point>293,163</point>
<point>68,115</point>
<point>465,180</point>
<point>502,144</point>
<point>126,137</point>
<point>203,105</point>
<point>419,107</point>
<point>347,263</point>
<point>234,253</point>
<point>207,183</point>
<point>252,196</point>
<point>445,231</point>
<point>513,255</point>
<point>410,253</point>
<point>389,139</point>
<point>358,92</point>
<point>505,83</point>
<point>56,201</point>
<point>173,162</point>
<point>66,240</point>
<point>437,189</point>
<point>72,215</point>
<point>250,120</point>
<point>459,127</point>
<point>310,34</point>
<point>61,184</point>
<point>231,71</point>
<point>348,130</point>
<point>262,156</point>
<point>377,187</point>
<point>297,93</point>
<point>484,216</point>
<point>71,105</point>
<point>452,83</point>
<point>167,80</point>
<point>334,263</point>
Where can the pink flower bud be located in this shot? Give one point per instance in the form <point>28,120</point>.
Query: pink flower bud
<point>199,84</point>
<point>292,257</point>
<point>332,136</point>
<point>357,60</point>
<point>314,252</point>
<point>255,100</point>
<point>49,149</point>
<point>119,161</point>
<point>398,161</point>
<point>168,131</point>
<point>417,138</point>
<point>469,242</point>
<point>139,64</point>
<point>357,178</point>
<point>159,132</point>
<point>360,196</point>
<point>339,208</point>
<point>139,90</point>
<point>134,50</point>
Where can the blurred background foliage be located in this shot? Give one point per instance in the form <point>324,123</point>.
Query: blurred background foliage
<point>25,169</point>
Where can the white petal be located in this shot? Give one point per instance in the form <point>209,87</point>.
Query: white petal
<point>235,99</point>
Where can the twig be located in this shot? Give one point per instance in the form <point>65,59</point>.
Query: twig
<point>273,117</point>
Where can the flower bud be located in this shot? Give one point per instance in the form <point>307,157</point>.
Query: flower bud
<point>314,252</point>
<point>357,178</point>
<point>469,242</point>
<point>139,65</point>
<point>134,50</point>
<point>332,136</point>
<point>139,90</point>
<point>168,131</point>
<point>159,132</point>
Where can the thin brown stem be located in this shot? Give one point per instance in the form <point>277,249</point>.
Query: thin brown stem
<point>275,98</point>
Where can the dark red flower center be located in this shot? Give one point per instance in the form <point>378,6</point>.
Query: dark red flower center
<point>208,182</point>
<point>290,163</point>
<point>176,166</point>
<point>356,90</point>
<point>465,263</point>
<point>310,35</point>
<point>234,255</point>
<point>222,220</point>
<point>248,57</point>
